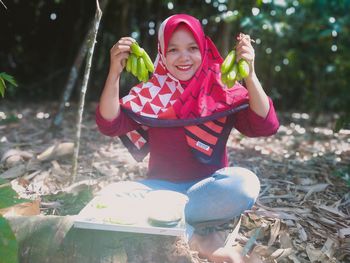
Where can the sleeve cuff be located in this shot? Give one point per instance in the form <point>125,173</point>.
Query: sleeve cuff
<point>268,124</point>
<point>101,121</point>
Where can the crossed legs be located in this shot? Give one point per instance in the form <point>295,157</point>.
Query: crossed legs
<point>219,198</point>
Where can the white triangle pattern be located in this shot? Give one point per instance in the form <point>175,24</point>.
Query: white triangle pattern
<point>147,85</point>
<point>143,99</point>
<point>155,108</point>
<point>165,82</point>
<point>172,86</point>
<point>135,107</point>
<point>127,98</point>
<point>140,142</point>
<point>136,89</point>
<point>165,98</point>
<point>161,79</point>
<point>154,90</point>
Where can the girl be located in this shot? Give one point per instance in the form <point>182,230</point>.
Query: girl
<point>183,116</point>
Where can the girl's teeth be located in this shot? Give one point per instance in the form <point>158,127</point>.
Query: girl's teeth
<point>185,67</point>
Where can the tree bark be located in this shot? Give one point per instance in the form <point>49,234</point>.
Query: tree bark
<point>53,239</point>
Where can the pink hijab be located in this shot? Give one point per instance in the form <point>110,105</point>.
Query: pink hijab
<point>201,105</point>
<point>164,97</point>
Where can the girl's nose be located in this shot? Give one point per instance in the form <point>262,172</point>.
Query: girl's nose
<point>184,55</point>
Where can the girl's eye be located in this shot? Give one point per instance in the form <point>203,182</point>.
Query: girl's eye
<point>171,50</point>
<point>194,48</point>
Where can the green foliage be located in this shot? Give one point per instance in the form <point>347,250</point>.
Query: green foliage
<point>344,173</point>
<point>8,197</point>
<point>343,122</point>
<point>302,53</point>
<point>8,243</point>
<point>72,203</point>
<point>12,118</point>
<point>3,79</point>
<point>302,48</point>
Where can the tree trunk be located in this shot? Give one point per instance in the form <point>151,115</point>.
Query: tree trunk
<point>53,239</point>
<point>74,72</point>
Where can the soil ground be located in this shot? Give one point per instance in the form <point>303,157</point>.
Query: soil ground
<point>303,211</point>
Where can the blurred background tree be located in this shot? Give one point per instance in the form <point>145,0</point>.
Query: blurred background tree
<point>302,46</point>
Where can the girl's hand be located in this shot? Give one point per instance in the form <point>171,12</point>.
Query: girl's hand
<point>245,50</point>
<point>119,53</point>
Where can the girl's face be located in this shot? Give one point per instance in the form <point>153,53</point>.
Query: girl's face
<point>183,56</point>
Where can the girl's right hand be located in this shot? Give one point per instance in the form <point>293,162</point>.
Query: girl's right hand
<point>119,54</point>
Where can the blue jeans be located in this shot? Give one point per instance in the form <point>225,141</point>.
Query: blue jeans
<point>224,195</point>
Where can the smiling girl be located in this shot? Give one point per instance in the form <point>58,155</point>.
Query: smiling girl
<point>183,117</point>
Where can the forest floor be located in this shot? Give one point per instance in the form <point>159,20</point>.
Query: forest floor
<point>303,211</point>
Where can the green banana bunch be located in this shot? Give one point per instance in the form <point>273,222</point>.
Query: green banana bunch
<point>232,71</point>
<point>139,63</point>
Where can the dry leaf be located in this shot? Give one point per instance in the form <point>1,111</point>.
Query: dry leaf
<point>333,210</point>
<point>343,232</point>
<point>316,255</point>
<point>23,182</point>
<point>329,247</point>
<point>285,239</point>
<point>294,258</point>
<point>314,189</point>
<point>281,253</point>
<point>22,209</point>
<point>22,155</point>
<point>57,150</point>
<point>275,229</point>
<point>276,214</point>
<point>301,232</point>
<point>14,172</point>
<point>263,251</point>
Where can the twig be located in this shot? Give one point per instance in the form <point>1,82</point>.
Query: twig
<point>287,196</point>
<point>92,42</point>
<point>7,184</point>
<point>3,4</point>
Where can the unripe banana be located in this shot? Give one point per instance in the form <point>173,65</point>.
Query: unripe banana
<point>225,81</point>
<point>148,62</point>
<point>230,83</point>
<point>224,78</point>
<point>139,63</point>
<point>142,72</point>
<point>232,74</point>
<point>136,49</point>
<point>238,77</point>
<point>133,64</point>
<point>228,62</point>
<point>243,68</point>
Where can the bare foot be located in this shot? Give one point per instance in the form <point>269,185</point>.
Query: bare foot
<point>212,248</point>
<point>227,255</point>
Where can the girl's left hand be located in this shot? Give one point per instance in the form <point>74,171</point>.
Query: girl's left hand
<point>245,50</point>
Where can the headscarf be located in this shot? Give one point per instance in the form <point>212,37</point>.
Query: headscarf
<point>201,105</point>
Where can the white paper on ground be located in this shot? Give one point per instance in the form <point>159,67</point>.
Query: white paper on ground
<point>129,212</point>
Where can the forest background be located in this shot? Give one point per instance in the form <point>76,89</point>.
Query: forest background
<point>302,47</point>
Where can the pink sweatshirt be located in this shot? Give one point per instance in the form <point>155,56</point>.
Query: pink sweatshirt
<point>171,158</point>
